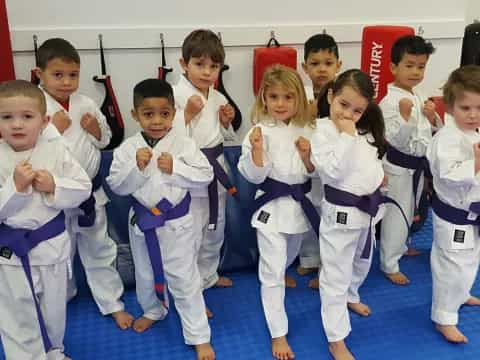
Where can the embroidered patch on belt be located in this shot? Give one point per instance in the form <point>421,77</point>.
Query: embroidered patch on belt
<point>459,236</point>
<point>342,218</point>
<point>263,216</point>
<point>133,220</point>
<point>5,252</point>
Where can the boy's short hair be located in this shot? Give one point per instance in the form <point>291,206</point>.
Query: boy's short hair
<point>320,42</point>
<point>410,44</point>
<point>56,48</point>
<point>465,78</point>
<point>152,88</point>
<point>13,88</point>
<point>203,43</point>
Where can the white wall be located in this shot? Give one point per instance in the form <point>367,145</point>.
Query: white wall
<point>132,41</point>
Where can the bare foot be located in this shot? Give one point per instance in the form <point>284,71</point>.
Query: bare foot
<point>290,282</point>
<point>223,282</point>
<point>67,358</point>
<point>205,352</point>
<point>398,278</point>
<point>451,333</point>
<point>142,324</point>
<point>360,308</point>
<point>412,252</point>
<point>473,301</point>
<point>281,350</point>
<point>339,350</point>
<point>304,271</point>
<point>209,313</point>
<point>123,319</point>
<point>314,283</point>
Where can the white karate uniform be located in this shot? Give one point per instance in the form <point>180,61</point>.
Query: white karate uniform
<point>281,224</point>
<point>49,261</point>
<point>97,250</point>
<point>207,132</point>
<point>191,170</point>
<point>454,260</point>
<point>310,251</point>
<point>410,138</point>
<point>348,163</point>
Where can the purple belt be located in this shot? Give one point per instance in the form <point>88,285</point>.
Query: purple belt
<point>20,242</point>
<point>275,189</point>
<point>150,219</point>
<point>367,203</point>
<point>88,206</point>
<point>453,214</point>
<point>219,174</point>
<point>417,163</point>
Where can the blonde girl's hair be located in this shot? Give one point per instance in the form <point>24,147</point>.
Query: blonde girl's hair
<point>288,78</point>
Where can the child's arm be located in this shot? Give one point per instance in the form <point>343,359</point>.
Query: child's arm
<point>16,192</point>
<point>189,170</point>
<point>304,150</point>
<point>399,124</point>
<point>128,169</point>
<point>253,163</point>
<point>95,124</point>
<point>67,186</point>
<point>226,113</point>
<point>331,153</point>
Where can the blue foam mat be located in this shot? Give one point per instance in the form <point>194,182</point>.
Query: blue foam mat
<point>399,328</point>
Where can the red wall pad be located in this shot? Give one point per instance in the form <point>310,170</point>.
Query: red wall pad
<point>6,58</point>
<point>377,43</point>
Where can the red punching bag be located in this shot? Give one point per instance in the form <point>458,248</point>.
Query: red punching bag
<point>273,53</point>
<point>7,71</point>
<point>377,44</point>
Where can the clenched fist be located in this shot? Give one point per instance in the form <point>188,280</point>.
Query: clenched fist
<point>429,111</point>
<point>226,113</point>
<point>303,147</point>
<point>256,138</point>
<point>143,157</point>
<point>44,182</point>
<point>89,123</point>
<point>61,121</point>
<point>23,176</point>
<point>193,107</point>
<point>346,126</point>
<point>165,163</point>
<point>405,105</point>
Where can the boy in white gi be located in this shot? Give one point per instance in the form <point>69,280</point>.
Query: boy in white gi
<point>346,149</point>
<point>78,121</point>
<point>408,124</point>
<point>321,64</point>
<point>276,155</point>
<point>454,156</point>
<point>158,166</point>
<point>38,180</point>
<point>208,118</point>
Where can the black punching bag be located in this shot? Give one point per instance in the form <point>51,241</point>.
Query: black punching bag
<point>471,45</point>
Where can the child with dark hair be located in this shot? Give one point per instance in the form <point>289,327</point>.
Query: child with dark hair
<point>159,166</point>
<point>346,150</point>
<point>77,120</point>
<point>409,118</point>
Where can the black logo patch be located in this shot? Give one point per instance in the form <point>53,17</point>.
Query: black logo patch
<point>5,252</point>
<point>263,216</point>
<point>133,220</point>
<point>459,236</point>
<point>342,218</point>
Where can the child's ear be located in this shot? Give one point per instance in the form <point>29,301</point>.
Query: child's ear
<point>134,114</point>
<point>45,121</point>
<point>183,64</point>
<point>330,96</point>
<point>339,66</point>
<point>393,68</point>
<point>38,72</point>
<point>304,67</point>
